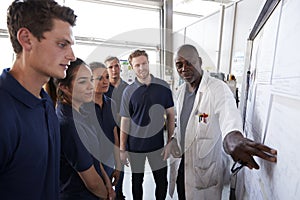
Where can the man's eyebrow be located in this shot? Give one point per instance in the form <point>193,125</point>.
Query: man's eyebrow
<point>66,40</point>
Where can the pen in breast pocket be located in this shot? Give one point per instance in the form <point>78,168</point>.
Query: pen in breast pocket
<point>202,117</point>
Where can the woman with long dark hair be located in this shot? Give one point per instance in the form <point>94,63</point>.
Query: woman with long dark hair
<point>81,173</point>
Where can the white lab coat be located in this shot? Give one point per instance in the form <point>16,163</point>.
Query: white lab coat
<point>204,155</point>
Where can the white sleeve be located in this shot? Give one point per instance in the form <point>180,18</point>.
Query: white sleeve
<point>225,106</point>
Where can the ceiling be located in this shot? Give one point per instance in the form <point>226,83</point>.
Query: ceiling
<point>198,8</point>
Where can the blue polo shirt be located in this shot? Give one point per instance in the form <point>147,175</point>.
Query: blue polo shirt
<point>78,140</point>
<point>102,118</point>
<point>115,93</point>
<point>29,143</point>
<point>146,105</point>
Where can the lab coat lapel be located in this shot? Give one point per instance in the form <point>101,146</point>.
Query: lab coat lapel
<point>191,132</point>
<point>179,106</point>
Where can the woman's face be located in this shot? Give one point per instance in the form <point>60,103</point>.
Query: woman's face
<point>81,87</point>
<point>101,80</point>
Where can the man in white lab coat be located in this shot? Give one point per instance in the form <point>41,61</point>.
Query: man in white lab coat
<point>207,121</point>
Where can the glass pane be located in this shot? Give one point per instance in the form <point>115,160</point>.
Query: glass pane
<point>108,21</point>
<point>181,21</point>
<point>6,55</point>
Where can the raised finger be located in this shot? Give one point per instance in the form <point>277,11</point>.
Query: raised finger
<point>264,148</point>
<point>263,152</point>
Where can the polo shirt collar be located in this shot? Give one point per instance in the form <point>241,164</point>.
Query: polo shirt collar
<point>122,82</point>
<point>15,89</point>
<point>153,80</point>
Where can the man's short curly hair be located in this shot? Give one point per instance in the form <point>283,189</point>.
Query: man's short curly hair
<point>137,53</point>
<point>37,16</point>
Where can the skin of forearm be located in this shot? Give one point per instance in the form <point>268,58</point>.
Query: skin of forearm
<point>117,158</point>
<point>170,123</point>
<point>125,124</point>
<point>123,141</point>
<point>104,174</point>
<point>94,182</point>
<point>99,191</point>
<point>117,150</point>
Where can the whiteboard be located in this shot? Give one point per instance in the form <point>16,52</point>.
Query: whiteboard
<point>286,77</point>
<point>263,52</point>
<point>273,107</point>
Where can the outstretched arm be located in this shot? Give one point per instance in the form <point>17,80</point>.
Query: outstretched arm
<point>125,124</point>
<point>242,150</point>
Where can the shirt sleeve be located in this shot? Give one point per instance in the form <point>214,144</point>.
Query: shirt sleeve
<point>170,102</point>
<point>8,135</point>
<point>114,110</point>
<point>229,115</point>
<point>125,103</point>
<point>73,149</point>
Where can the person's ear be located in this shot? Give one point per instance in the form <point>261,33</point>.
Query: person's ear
<point>200,61</point>
<point>24,38</point>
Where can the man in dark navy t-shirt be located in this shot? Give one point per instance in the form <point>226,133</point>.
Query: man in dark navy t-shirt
<point>115,92</point>
<point>41,36</point>
<point>145,104</point>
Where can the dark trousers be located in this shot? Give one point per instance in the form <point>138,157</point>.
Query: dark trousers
<point>180,181</point>
<point>159,171</point>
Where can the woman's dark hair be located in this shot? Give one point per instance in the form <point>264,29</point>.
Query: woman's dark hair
<point>50,88</point>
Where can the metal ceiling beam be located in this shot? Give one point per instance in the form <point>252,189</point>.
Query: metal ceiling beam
<point>141,4</point>
<point>158,3</point>
<point>116,43</point>
<point>3,33</point>
<point>187,14</point>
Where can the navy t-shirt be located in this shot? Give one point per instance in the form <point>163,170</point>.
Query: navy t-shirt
<point>116,93</point>
<point>145,105</point>
<point>102,119</point>
<point>29,143</point>
<point>78,141</point>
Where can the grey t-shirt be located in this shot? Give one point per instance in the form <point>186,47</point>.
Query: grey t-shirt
<point>188,102</point>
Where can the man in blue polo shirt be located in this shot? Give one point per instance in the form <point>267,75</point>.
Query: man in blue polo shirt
<point>145,103</point>
<point>115,91</point>
<point>41,35</point>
